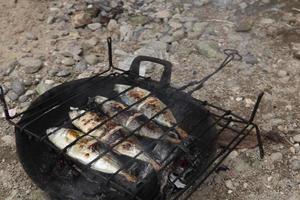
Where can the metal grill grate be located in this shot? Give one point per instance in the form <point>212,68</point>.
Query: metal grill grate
<point>224,121</point>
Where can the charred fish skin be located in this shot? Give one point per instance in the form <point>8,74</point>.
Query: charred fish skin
<point>132,120</point>
<point>110,134</point>
<point>150,106</point>
<point>84,151</point>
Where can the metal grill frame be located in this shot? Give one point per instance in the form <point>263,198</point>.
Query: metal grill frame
<point>223,119</point>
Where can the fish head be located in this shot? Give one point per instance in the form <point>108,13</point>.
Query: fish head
<point>100,99</point>
<point>120,87</point>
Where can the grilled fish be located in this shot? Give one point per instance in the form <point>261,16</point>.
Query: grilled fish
<point>86,150</point>
<point>149,106</point>
<point>110,133</point>
<point>132,120</point>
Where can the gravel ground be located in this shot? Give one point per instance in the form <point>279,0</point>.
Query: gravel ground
<point>45,43</point>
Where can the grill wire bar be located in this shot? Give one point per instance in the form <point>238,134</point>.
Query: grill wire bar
<point>223,119</point>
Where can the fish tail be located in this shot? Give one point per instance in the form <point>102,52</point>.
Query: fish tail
<point>155,165</point>
<point>129,177</point>
<point>182,133</point>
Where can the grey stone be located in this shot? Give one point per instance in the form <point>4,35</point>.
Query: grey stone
<point>23,98</point>
<point>163,14</point>
<point>18,87</point>
<point>208,49</point>
<point>27,81</point>
<point>81,19</point>
<point>91,59</point>
<point>63,73</point>
<point>31,65</point>
<point>243,5</point>
<point>244,25</point>
<point>295,164</point>
<point>112,25</point>
<point>81,66</point>
<point>92,42</point>
<point>167,38</point>
<point>44,86</point>
<point>179,34</point>
<point>199,27</point>
<point>71,49</point>
<point>249,58</point>
<point>296,138</point>
<point>188,26</point>
<point>229,184</point>
<point>50,19</point>
<point>31,36</point>
<point>277,156</point>
<point>138,20</point>
<point>12,95</point>
<point>68,61</point>
<point>126,32</point>
<point>10,67</point>
<point>53,72</point>
<point>94,26</point>
<point>282,73</point>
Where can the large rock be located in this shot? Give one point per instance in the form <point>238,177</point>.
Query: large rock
<point>81,19</point>
<point>18,87</point>
<point>31,65</point>
<point>208,49</point>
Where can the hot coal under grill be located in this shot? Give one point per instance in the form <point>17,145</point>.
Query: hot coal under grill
<point>185,166</point>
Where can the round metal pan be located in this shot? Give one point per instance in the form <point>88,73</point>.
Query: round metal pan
<point>56,175</point>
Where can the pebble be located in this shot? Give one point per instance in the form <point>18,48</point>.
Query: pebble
<point>8,140</point>
<point>50,19</point>
<point>126,32</point>
<point>208,49</point>
<point>276,156</point>
<point>296,138</point>
<point>9,67</point>
<point>18,87</point>
<point>244,25</point>
<point>92,42</point>
<point>63,73</point>
<point>31,36</point>
<point>31,65</point>
<point>91,59</point>
<point>282,73</point>
<point>12,95</point>
<point>112,25</point>
<point>175,25</point>
<point>94,26</point>
<point>81,66</point>
<point>68,61</point>
<point>179,34</point>
<point>200,27</point>
<point>23,98</point>
<point>138,20</point>
<point>163,14</point>
<point>27,81</point>
<point>53,72</point>
<point>249,58</point>
<point>229,184</point>
<point>71,49</point>
<point>81,19</point>
<point>44,86</point>
<point>295,164</point>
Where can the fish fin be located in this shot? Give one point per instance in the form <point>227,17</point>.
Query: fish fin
<point>129,177</point>
<point>182,133</point>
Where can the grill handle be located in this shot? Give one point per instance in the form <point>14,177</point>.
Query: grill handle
<point>166,75</point>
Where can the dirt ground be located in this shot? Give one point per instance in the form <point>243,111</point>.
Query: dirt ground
<point>266,34</point>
